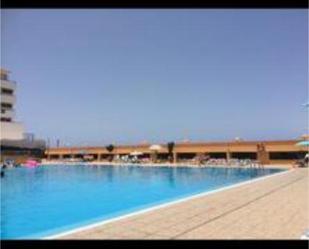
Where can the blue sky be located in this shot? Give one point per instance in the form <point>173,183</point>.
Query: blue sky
<point>126,76</point>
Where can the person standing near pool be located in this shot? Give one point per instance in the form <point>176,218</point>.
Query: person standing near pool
<point>2,170</point>
<point>306,160</point>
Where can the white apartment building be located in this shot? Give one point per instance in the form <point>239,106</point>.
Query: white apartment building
<point>10,129</point>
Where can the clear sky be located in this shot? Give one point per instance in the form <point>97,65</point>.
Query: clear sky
<point>126,76</point>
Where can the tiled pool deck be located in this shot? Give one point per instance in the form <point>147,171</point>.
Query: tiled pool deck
<point>273,208</point>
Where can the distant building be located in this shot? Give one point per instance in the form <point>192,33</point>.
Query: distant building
<point>265,151</point>
<point>29,137</point>
<point>15,143</point>
<point>10,129</point>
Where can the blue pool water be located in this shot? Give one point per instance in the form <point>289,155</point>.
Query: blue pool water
<point>51,199</point>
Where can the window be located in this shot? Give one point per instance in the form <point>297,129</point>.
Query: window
<point>6,119</point>
<point>6,91</point>
<point>244,155</point>
<point>293,155</point>
<point>6,105</point>
<point>186,155</point>
<point>217,155</point>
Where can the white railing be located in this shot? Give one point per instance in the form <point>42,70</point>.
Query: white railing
<point>8,84</point>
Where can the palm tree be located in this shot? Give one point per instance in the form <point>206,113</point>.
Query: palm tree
<point>110,148</point>
<point>170,148</point>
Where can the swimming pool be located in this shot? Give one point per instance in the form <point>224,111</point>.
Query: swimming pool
<point>51,199</point>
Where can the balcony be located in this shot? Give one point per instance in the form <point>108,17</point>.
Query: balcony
<point>7,113</point>
<point>8,84</point>
<point>5,98</point>
<point>11,130</point>
<point>7,91</point>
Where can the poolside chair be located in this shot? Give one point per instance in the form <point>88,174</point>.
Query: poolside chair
<point>248,162</point>
<point>301,163</point>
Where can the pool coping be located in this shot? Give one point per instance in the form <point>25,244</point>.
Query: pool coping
<point>167,164</point>
<point>160,206</point>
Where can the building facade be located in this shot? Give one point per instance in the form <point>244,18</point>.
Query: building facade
<point>10,129</point>
<point>267,152</point>
<point>15,143</point>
